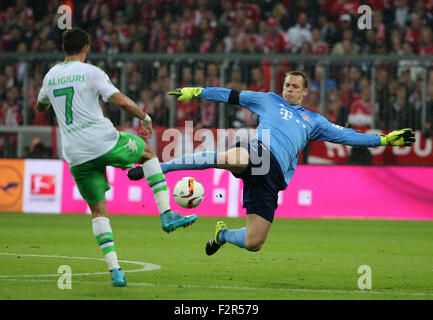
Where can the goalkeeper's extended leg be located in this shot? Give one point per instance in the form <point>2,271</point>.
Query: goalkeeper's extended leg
<point>196,161</point>
<point>151,169</point>
<point>250,238</point>
<point>235,159</point>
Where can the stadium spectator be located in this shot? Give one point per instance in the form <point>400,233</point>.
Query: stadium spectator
<point>157,38</point>
<point>382,92</point>
<point>187,26</point>
<point>396,43</point>
<point>346,45</point>
<point>405,64</point>
<point>230,39</point>
<point>172,37</point>
<point>2,88</point>
<point>235,117</point>
<point>200,11</point>
<point>428,131</point>
<point>369,42</point>
<point>360,112</point>
<point>416,96</point>
<point>9,76</point>
<point>328,29</point>
<point>90,14</point>
<point>35,83</point>
<point>317,80</point>
<point>345,21</point>
<point>255,41</point>
<point>158,110</point>
<point>199,74</point>
<point>317,46</point>
<point>113,45</point>
<point>228,16</point>
<point>341,7</point>
<point>257,82</point>
<point>137,47</point>
<point>379,25</point>
<point>187,79</point>
<point>274,40</point>
<point>240,16</point>
<point>186,111</point>
<point>38,150</point>
<point>299,33</point>
<point>212,21</point>
<point>412,37</point>
<point>425,42</point>
<point>206,115</point>
<point>10,115</point>
<point>399,112</point>
<point>135,83</point>
<point>280,13</point>
<point>336,112</point>
<point>207,42</point>
<point>10,110</point>
<point>242,45</point>
<point>212,75</point>
<point>401,13</point>
<point>353,73</point>
<point>157,85</point>
<point>347,92</point>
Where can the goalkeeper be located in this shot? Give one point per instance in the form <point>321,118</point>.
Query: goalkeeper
<point>267,163</point>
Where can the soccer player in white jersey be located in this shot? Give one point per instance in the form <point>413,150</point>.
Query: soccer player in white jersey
<point>90,142</point>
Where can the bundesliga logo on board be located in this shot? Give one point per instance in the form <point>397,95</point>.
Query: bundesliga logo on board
<point>43,184</point>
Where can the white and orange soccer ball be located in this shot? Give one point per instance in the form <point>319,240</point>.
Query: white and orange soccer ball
<point>188,192</point>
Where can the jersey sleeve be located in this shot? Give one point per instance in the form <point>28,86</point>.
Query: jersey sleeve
<point>43,96</point>
<point>328,131</point>
<point>103,85</point>
<point>253,101</point>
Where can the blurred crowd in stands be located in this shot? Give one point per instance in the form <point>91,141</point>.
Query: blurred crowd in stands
<point>316,27</point>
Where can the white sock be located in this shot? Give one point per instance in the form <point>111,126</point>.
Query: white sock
<point>104,237</point>
<point>156,180</point>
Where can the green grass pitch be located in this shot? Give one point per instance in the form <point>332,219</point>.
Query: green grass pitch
<point>301,259</point>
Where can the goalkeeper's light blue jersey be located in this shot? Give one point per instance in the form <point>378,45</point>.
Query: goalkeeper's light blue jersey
<point>286,129</point>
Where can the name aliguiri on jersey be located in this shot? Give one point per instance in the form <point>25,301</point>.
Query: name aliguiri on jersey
<point>66,79</point>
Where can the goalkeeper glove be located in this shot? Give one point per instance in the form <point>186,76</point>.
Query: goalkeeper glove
<point>186,93</point>
<point>404,137</point>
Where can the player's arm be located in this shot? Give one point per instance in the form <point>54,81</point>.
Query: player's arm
<point>134,110</point>
<point>327,131</point>
<point>128,105</point>
<point>43,99</point>
<point>249,99</point>
<point>41,107</point>
<point>109,92</point>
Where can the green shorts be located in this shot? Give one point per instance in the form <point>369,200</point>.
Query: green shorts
<point>91,176</point>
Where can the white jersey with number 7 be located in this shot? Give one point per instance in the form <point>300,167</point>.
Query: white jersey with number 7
<point>73,89</point>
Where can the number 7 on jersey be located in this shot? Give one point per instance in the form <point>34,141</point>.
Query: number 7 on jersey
<point>69,93</point>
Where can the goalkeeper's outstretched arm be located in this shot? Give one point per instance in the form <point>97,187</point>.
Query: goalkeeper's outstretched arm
<point>211,93</point>
<point>327,131</point>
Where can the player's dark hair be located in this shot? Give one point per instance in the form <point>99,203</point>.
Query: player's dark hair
<point>73,40</point>
<point>304,76</point>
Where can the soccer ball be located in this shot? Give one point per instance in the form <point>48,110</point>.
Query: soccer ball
<point>188,192</point>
